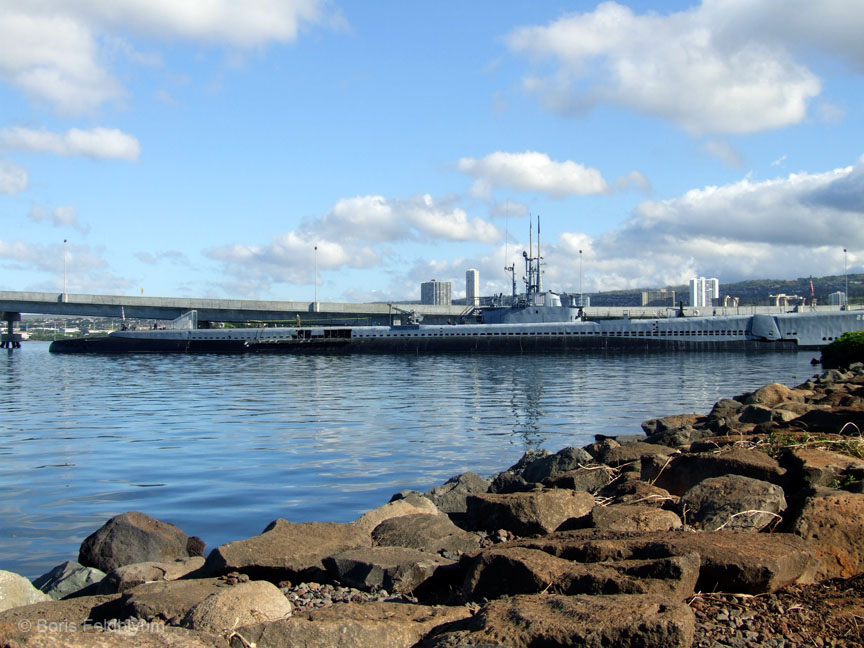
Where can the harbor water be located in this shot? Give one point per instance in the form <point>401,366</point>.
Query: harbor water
<point>222,445</point>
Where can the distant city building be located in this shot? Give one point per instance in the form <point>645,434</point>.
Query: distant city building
<point>704,291</point>
<point>436,293</point>
<point>472,287</point>
<point>837,298</point>
<point>658,297</point>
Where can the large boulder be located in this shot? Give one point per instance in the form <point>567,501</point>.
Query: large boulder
<point>410,505</point>
<point>16,590</point>
<point>432,533</point>
<point>394,569</point>
<point>684,471</point>
<point>287,550</point>
<point>238,605</point>
<point>547,467</point>
<point>588,478</point>
<point>540,511</point>
<point>775,394</point>
<point>129,576</point>
<point>73,612</point>
<point>555,621</point>
<point>367,625</point>
<point>832,522</point>
<point>632,453</point>
<point>132,538</point>
<point>67,578</point>
<point>633,518</point>
<point>635,491</point>
<point>731,561</point>
<point>450,497</point>
<point>733,502</point>
<point>167,600</point>
<point>813,467</point>
<point>506,570</point>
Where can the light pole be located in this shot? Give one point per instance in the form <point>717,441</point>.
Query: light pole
<point>315,307</point>
<point>846,281</point>
<point>65,241</point>
<point>581,294</point>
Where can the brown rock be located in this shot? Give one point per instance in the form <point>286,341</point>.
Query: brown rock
<point>731,561</point>
<point>832,522</point>
<point>168,599</point>
<point>129,576</point>
<point>395,569</point>
<point>287,550</point>
<point>554,621</point>
<point>132,538</point>
<point>633,453</point>
<point>686,470</point>
<point>813,467</point>
<point>623,517</point>
<point>590,479</point>
<point>773,395</point>
<point>238,605</point>
<point>70,611</point>
<point>636,491</point>
<point>509,570</point>
<point>450,496</point>
<point>367,625</point>
<point>411,505</point>
<point>527,513</point>
<point>431,533</point>
<point>733,502</point>
<point>140,635</point>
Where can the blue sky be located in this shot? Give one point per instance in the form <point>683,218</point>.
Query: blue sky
<point>205,147</point>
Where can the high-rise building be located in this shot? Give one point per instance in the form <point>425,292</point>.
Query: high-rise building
<point>837,298</point>
<point>704,291</point>
<point>436,293</point>
<point>472,287</point>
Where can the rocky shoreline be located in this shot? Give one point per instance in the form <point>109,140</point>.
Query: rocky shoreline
<point>739,527</point>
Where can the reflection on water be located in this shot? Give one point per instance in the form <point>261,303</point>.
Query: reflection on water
<point>222,445</point>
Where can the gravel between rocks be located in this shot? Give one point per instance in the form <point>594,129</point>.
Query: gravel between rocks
<point>828,614</point>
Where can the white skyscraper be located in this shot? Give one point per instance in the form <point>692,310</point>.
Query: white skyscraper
<point>703,291</point>
<point>472,287</point>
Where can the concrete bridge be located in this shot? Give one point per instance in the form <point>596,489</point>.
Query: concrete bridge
<point>14,303</point>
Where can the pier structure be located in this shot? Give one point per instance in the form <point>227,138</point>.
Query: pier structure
<point>10,339</point>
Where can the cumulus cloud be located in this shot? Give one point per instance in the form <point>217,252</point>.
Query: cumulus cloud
<point>86,268</point>
<point>13,178</point>
<point>95,143</point>
<point>289,258</point>
<point>55,50</point>
<point>532,171</point>
<point>65,216</point>
<point>635,179</point>
<point>784,227</point>
<point>171,256</point>
<point>724,152</point>
<point>376,218</point>
<point>725,67</point>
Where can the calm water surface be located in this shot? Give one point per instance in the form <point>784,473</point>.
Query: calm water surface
<point>222,445</point>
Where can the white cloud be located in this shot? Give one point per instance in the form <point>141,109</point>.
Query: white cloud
<point>378,219</point>
<point>86,269</point>
<point>724,152</point>
<point>53,58</point>
<point>13,178</point>
<point>786,227</point>
<point>96,143</point>
<point>634,179</point>
<point>64,216</point>
<point>721,67</point>
<point>532,171</point>
<point>55,50</point>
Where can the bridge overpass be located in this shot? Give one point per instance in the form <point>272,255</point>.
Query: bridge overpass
<point>14,303</point>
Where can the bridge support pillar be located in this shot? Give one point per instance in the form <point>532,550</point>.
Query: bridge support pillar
<point>10,339</point>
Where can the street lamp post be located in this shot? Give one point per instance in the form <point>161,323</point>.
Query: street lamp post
<point>315,306</point>
<point>581,294</point>
<point>65,241</point>
<point>846,280</point>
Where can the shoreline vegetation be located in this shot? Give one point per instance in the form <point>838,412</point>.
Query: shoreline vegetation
<point>739,527</point>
